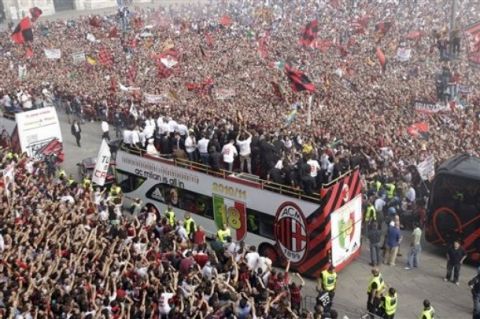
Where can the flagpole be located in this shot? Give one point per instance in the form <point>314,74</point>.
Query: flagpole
<point>309,111</point>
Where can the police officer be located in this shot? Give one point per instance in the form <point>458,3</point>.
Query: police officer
<point>223,233</point>
<point>375,289</point>
<point>190,225</point>
<point>389,304</point>
<point>329,281</point>
<point>170,214</point>
<point>428,311</point>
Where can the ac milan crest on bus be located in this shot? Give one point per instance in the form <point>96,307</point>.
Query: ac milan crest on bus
<point>290,232</point>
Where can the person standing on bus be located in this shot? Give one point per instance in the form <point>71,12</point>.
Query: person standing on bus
<point>455,257</point>
<point>191,146</point>
<point>329,281</point>
<point>428,312</point>
<point>389,303</point>
<point>203,149</point>
<point>229,152</point>
<point>375,289</point>
<point>190,225</point>
<point>245,151</point>
<point>170,214</point>
<point>223,233</point>
<point>105,130</point>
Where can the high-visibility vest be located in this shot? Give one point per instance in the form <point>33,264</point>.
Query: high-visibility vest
<point>70,181</point>
<point>378,186</point>
<point>223,234</point>
<point>390,304</point>
<point>329,280</point>
<point>115,191</point>
<point>189,226</point>
<point>10,155</point>
<point>371,214</point>
<point>427,313</point>
<point>170,214</point>
<point>380,284</point>
<point>86,182</point>
<point>62,173</point>
<point>390,190</point>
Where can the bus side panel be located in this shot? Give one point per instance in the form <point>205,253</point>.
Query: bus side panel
<point>319,224</point>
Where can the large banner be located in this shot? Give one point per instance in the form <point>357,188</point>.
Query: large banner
<point>428,107</point>
<point>426,169</point>
<point>472,33</point>
<point>232,213</point>
<point>101,166</point>
<point>36,129</point>
<point>346,228</point>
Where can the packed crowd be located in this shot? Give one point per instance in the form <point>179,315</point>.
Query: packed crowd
<point>361,114</point>
<point>67,251</point>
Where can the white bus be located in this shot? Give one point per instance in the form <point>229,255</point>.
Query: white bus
<point>282,222</point>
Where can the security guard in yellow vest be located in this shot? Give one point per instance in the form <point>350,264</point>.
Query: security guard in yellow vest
<point>376,288</point>
<point>70,180</point>
<point>370,214</point>
<point>170,214</point>
<point>115,191</point>
<point>329,281</point>
<point>389,304</point>
<point>428,311</point>
<point>223,233</point>
<point>86,183</point>
<point>190,225</point>
<point>390,187</point>
<point>11,156</point>
<point>61,173</point>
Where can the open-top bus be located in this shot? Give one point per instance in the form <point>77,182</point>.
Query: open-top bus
<point>454,205</point>
<point>310,231</point>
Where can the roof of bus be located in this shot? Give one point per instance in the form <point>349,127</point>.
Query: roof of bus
<point>463,165</point>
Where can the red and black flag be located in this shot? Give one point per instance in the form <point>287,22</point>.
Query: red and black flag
<point>23,32</point>
<point>309,33</point>
<point>95,21</point>
<point>298,80</point>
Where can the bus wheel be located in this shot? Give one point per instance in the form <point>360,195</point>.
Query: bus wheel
<point>269,251</point>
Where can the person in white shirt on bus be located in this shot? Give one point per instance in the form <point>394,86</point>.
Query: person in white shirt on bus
<point>203,149</point>
<point>245,150</point>
<point>314,169</point>
<point>191,146</point>
<point>151,149</point>
<point>229,151</point>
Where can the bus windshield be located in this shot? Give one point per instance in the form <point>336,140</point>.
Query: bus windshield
<point>454,191</point>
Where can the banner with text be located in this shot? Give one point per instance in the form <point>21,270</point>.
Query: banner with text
<point>428,107</point>
<point>101,166</point>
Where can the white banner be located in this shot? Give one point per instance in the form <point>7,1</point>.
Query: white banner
<point>78,57</point>
<point>22,71</point>
<point>102,163</point>
<point>169,61</point>
<point>53,54</point>
<point>346,226</point>
<point>427,107</point>
<point>153,98</point>
<point>404,54</point>
<point>37,128</point>
<point>426,169</point>
<point>224,94</point>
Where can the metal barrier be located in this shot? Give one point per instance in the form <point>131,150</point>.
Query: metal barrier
<point>221,173</point>
<point>309,302</point>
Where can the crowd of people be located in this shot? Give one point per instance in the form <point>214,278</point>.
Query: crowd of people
<point>206,82</point>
